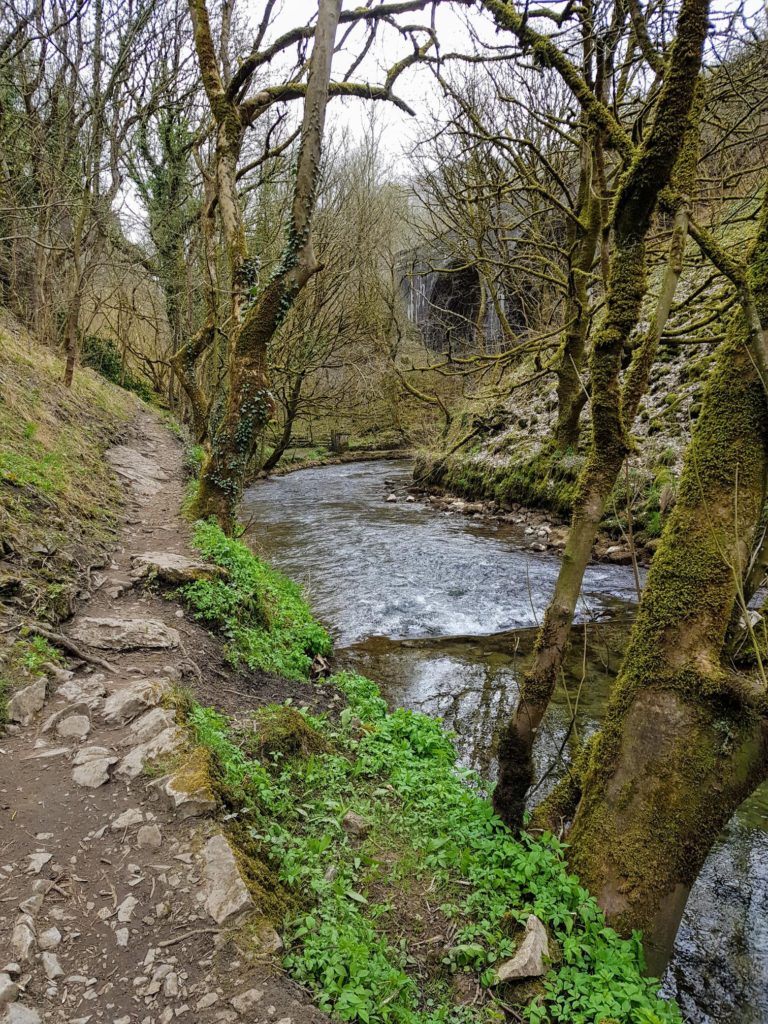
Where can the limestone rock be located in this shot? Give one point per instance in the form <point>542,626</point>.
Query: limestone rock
<point>133,816</point>
<point>227,894</point>
<point>186,802</point>
<point>355,825</point>
<point>125,704</point>
<point>248,1000</point>
<point>77,708</point>
<point>266,941</point>
<point>143,473</point>
<point>51,966</point>
<point>18,1014</point>
<point>114,634</point>
<point>134,761</point>
<point>33,905</point>
<point>126,909</point>
<point>74,727</point>
<point>49,939</point>
<point>37,861</point>
<point>8,990</point>
<point>172,568</point>
<point>93,773</point>
<point>23,942</point>
<point>88,691</point>
<point>92,753</point>
<point>529,960</point>
<point>150,724</point>
<point>26,703</point>
<point>149,837</point>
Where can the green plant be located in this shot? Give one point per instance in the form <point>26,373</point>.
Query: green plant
<point>263,614</point>
<point>34,652</point>
<point>398,771</point>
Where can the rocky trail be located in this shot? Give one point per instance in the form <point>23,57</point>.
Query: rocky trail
<point>120,898</point>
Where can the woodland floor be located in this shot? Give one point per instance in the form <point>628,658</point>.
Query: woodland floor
<point>133,941</point>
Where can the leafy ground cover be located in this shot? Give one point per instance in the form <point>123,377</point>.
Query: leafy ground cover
<point>402,918</point>
<point>262,613</point>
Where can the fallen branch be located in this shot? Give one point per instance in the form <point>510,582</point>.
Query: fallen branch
<point>188,935</point>
<point>68,645</point>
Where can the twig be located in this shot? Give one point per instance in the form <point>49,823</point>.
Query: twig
<point>188,935</point>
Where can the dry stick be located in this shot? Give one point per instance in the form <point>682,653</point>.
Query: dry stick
<point>188,935</point>
<point>66,644</point>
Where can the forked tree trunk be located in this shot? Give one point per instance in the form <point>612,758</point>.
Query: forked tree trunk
<point>613,412</point>
<point>685,739</point>
<point>249,402</point>
<point>291,408</point>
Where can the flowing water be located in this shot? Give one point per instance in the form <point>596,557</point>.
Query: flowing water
<point>441,610</point>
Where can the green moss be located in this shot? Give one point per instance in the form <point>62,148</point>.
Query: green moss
<point>668,818</point>
<point>283,730</point>
<point>548,479</point>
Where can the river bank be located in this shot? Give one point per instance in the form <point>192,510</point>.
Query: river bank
<point>312,827</point>
<point>442,610</point>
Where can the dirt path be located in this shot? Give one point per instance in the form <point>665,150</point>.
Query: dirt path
<point>119,898</point>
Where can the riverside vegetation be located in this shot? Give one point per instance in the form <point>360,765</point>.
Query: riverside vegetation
<point>289,778</point>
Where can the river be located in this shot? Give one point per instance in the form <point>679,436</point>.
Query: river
<point>441,610</point>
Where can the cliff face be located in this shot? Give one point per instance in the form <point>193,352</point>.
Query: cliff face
<point>512,461</point>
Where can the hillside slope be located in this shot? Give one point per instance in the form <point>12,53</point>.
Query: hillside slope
<point>59,502</point>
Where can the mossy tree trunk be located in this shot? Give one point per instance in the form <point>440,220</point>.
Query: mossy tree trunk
<point>685,739</point>
<point>613,410</point>
<point>248,403</point>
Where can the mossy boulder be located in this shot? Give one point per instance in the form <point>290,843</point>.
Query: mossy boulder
<point>282,729</point>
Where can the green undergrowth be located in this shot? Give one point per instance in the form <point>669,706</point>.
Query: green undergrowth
<point>20,663</point>
<point>103,356</point>
<point>362,900</point>
<point>261,612</point>
<point>433,841</point>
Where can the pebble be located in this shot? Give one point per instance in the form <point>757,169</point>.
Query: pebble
<point>33,905</point>
<point>247,1000</point>
<point>37,861</point>
<point>126,909</point>
<point>50,938</point>
<point>133,816</point>
<point>52,967</point>
<point>23,939</point>
<point>149,837</point>
<point>121,936</point>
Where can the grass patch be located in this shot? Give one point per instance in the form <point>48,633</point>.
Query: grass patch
<point>261,612</point>
<point>58,497</point>
<point>432,830</point>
